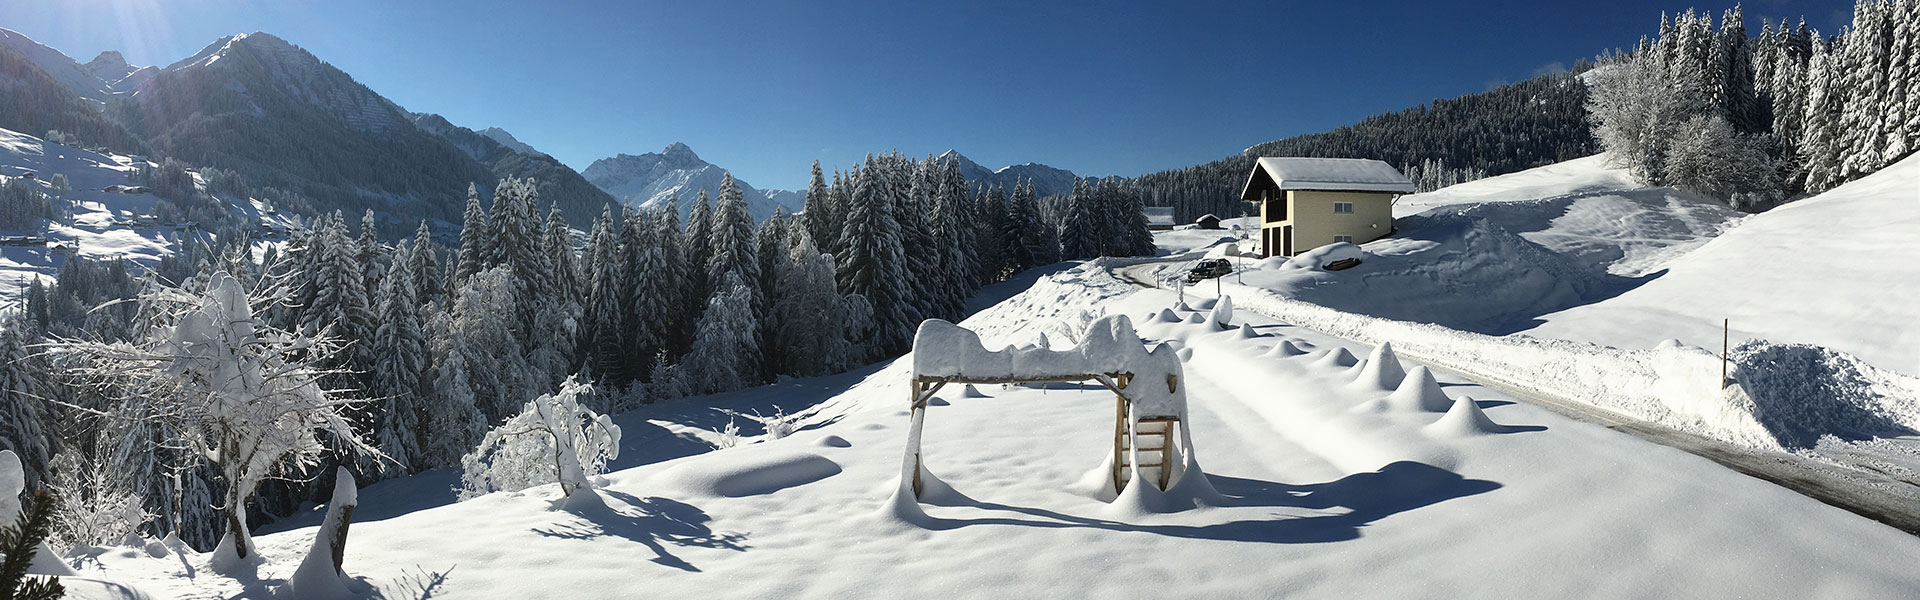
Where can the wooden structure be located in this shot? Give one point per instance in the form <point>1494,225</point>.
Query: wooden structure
<point>1150,439</point>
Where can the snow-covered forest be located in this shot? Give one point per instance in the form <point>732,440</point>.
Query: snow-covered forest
<point>1762,120</point>
<point>436,345</point>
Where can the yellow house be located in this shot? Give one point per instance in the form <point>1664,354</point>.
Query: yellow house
<point>1306,203</point>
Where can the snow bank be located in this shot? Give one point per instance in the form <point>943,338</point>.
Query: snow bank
<point>1674,385</point>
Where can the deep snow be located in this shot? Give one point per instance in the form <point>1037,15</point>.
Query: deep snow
<point>1330,484</point>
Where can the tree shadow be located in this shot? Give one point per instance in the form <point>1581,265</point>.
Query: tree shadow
<point>1367,497</point>
<point>418,586</point>
<point>654,522</point>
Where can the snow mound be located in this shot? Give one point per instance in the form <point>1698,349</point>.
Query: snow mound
<point>832,441</point>
<point>1801,393</point>
<point>1246,332</point>
<point>1465,419</point>
<point>1419,391</point>
<point>971,392</point>
<point>1222,315</point>
<point>750,472</point>
<point>1285,349</point>
<point>1382,370</point>
<point>1337,358</point>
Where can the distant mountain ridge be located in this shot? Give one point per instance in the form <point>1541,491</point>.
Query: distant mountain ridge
<point>653,179</point>
<point>1047,181</point>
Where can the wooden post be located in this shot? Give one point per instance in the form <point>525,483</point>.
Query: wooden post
<point>1723,353</point>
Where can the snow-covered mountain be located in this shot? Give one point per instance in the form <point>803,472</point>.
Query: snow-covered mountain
<point>103,77</point>
<point>1047,181</point>
<point>650,180</point>
<point>506,139</point>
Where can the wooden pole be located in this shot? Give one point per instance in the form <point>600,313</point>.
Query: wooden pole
<point>1723,352</point>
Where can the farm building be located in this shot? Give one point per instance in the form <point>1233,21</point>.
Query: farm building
<point>1306,203</point>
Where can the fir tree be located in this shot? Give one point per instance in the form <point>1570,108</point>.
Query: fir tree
<point>474,249</point>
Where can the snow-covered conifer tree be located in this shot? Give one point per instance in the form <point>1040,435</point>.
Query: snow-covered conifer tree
<point>474,235</point>
<point>400,353</point>
<point>872,265</point>
<point>725,348</point>
<point>27,425</point>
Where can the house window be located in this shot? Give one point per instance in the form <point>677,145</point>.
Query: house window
<point>1343,208</point>
<point>1343,238</point>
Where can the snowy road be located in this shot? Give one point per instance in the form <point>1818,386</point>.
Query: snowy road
<point>1859,483</point>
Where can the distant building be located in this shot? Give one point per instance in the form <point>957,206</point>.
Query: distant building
<point>1306,203</point>
<point>1207,221</point>
<point>1159,217</point>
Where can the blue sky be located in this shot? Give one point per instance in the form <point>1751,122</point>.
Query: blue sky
<point>765,88</point>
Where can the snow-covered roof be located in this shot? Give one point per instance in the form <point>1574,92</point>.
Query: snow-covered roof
<point>1329,174</point>
<point>1159,215</point>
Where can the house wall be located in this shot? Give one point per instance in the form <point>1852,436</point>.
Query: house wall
<point>1314,222</point>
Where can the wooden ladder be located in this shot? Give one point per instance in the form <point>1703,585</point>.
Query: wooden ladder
<point>1157,452</point>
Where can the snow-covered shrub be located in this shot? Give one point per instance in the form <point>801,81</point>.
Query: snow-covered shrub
<point>94,508</point>
<point>777,426</point>
<point>553,439</point>
<point>729,436</point>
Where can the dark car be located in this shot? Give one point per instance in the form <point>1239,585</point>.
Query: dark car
<point>1209,269</point>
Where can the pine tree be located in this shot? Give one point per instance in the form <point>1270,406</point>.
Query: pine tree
<point>654,289</point>
<point>820,217</point>
<point>698,251</point>
<point>474,248</point>
<point>1080,230</point>
<point>1819,151</point>
<point>607,290</point>
<point>770,252</point>
<point>725,348</point>
<point>399,349</point>
<point>872,265</point>
<point>811,321</point>
<point>731,240</point>
<point>426,268</point>
<point>27,425</point>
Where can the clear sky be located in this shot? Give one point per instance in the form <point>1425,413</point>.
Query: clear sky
<point>765,88</point>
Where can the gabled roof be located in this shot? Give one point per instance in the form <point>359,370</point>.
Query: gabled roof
<point>1328,174</point>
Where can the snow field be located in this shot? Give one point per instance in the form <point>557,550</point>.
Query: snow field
<point>1326,487</point>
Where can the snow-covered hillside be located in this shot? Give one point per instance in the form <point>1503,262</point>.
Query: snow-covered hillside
<point>1334,475</point>
<point>653,179</point>
<point>106,75</point>
<point>106,224</point>
<point>1841,270</point>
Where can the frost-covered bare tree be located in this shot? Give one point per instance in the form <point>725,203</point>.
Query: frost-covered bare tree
<point>241,394</point>
<point>553,439</point>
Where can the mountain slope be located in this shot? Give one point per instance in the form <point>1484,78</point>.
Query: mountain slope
<point>282,118</point>
<point>506,139</point>
<point>580,202</point>
<point>650,180</point>
<point>1047,181</point>
<point>33,100</point>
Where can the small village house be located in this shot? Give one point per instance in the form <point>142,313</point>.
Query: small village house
<point>1306,203</point>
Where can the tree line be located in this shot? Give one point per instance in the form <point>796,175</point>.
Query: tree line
<point>1761,120</point>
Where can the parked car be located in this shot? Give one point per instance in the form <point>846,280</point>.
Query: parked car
<point>1209,269</point>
